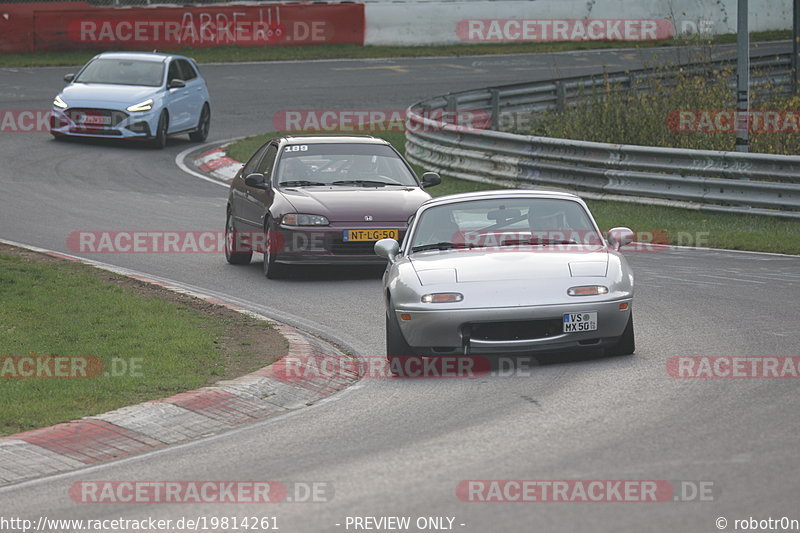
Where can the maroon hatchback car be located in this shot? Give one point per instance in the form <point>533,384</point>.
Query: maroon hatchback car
<point>320,200</point>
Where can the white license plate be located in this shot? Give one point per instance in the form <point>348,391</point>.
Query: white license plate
<point>577,322</point>
<point>96,120</point>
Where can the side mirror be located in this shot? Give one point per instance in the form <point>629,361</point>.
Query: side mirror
<point>387,248</point>
<point>256,180</point>
<point>619,237</point>
<point>176,84</point>
<point>429,179</point>
<point>69,77</point>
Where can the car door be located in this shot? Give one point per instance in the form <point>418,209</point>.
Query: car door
<point>195,90</point>
<point>259,199</point>
<point>241,206</point>
<point>178,100</point>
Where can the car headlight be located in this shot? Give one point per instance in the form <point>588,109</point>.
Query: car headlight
<point>587,290</point>
<point>442,298</point>
<point>147,105</point>
<point>59,103</point>
<point>300,219</point>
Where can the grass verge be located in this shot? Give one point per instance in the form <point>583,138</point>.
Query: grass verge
<point>152,342</point>
<point>677,109</point>
<point>685,227</point>
<point>230,54</point>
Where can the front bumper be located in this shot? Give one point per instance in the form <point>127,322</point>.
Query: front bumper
<point>438,332</point>
<point>312,245</point>
<point>104,123</point>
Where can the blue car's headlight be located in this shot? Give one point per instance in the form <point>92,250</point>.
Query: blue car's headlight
<point>58,102</point>
<point>147,105</point>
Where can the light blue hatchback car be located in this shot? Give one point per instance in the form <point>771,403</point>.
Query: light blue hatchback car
<point>133,95</point>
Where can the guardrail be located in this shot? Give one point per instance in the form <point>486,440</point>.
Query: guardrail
<point>762,184</point>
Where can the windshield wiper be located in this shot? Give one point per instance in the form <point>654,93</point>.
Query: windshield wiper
<point>363,182</point>
<point>544,242</point>
<point>444,245</point>
<point>301,183</point>
<point>522,242</point>
<point>535,241</point>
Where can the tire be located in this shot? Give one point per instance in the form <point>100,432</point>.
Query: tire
<point>272,270</point>
<point>396,345</point>
<point>234,258</point>
<point>203,125</point>
<point>160,139</point>
<point>627,343</point>
<point>397,349</point>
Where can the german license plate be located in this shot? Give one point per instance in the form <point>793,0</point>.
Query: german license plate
<point>96,120</point>
<point>577,322</point>
<point>351,235</point>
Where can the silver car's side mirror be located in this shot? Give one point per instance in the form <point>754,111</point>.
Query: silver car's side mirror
<point>619,237</point>
<point>388,249</point>
<point>69,77</point>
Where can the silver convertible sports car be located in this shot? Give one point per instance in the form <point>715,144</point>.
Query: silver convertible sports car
<point>506,272</point>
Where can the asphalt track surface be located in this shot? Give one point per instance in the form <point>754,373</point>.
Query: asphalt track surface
<point>393,447</point>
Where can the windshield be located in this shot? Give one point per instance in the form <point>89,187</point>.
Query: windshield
<point>361,165</point>
<point>504,222</point>
<point>123,72</point>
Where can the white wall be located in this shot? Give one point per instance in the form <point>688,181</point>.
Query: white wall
<point>435,22</point>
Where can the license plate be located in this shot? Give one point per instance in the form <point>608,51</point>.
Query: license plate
<point>577,322</point>
<point>96,120</point>
<point>351,235</point>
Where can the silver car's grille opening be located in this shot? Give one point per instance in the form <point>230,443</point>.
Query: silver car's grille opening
<point>513,331</point>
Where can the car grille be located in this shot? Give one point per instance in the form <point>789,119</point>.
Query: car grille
<point>105,118</point>
<point>516,330</point>
<point>95,131</point>
<point>353,248</point>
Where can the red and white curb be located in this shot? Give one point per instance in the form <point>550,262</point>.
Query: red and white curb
<point>216,163</point>
<point>182,417</point>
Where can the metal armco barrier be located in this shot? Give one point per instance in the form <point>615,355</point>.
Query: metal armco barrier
<point>759,184</point>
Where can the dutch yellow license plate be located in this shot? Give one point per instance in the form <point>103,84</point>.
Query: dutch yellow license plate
<point>352,235</point>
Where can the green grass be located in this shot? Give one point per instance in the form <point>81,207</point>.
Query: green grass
<point>294,53</point>
<point>648,114</point>
<point>688,227</point>
<point>65,309</point>
<point>685,227</point>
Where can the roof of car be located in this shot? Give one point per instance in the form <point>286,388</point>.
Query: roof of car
<point>501,193</point>
<point>141,56</point>
<point>333,139</point>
